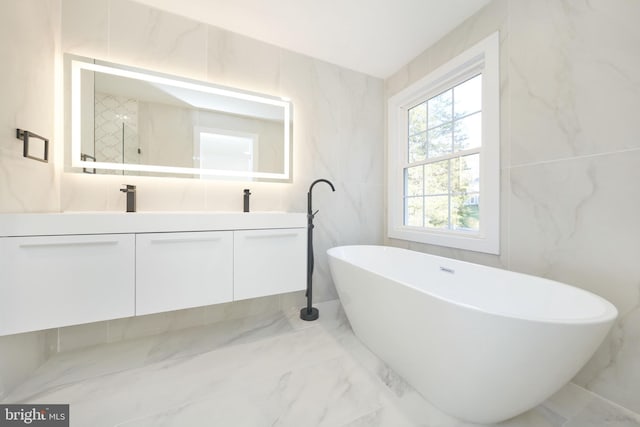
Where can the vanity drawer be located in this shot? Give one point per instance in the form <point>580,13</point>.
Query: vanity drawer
<point>269,262</point>
<point>183,270</point>
<point>55,281</point>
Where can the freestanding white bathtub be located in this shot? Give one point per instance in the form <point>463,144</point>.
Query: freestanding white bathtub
<point>481,343</point>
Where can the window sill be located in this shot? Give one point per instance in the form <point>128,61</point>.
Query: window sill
<point>476,243</point>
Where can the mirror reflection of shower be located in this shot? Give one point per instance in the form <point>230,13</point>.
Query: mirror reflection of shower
<point>116,131</point>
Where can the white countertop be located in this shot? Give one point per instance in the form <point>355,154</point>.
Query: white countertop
<point>39,224</point>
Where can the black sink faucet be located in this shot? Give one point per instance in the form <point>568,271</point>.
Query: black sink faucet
<point>131,196</point>
<point>247,193</point>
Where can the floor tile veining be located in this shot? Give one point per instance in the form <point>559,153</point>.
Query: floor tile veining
<point>267,370</point>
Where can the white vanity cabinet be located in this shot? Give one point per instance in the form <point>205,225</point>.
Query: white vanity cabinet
<point>183,270</point>
<point>53,281</point>
<point>269,262</point>
<point>66,269</point>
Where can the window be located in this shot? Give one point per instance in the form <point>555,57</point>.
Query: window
<point>444,167</point>
<point>222,149</point>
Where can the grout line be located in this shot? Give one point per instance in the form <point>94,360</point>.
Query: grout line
<point>109,7</point>
<point>206,53</point>
<point>564,159</point>
<point>508,193</point>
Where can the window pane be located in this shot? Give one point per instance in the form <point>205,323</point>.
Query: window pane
<point>468,97</point>
<point>437,212</point>
<point>440,109</point>
<point>414,181</point>
<point>468,132</point>
<point>418,119</point>
<point>465,210</point>
<point>439,141</point>
<point>418,147</point>
<point>437,178</point>
<point>465,174</point>
<point>413,211</point>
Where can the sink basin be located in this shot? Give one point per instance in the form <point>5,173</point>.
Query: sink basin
<point>93,222</point>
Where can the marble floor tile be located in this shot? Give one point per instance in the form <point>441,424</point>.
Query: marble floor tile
<point>569,401</point>
<point>73,366</point>
<point>600,413</point>
<point>269,370</point>
<point>331,316</point>
<point>328,393</point>
<point>114,398</point>
<point>385,416</point>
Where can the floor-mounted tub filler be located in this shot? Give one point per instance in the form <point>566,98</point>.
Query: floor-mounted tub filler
<point>481,343</point>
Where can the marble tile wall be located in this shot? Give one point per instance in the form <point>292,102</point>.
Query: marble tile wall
<point>28,83</point>
<point>331,107</point>
<point>338,116</point>
<point>28,87</point>
<point>338,135</point>
<point>570,149</point>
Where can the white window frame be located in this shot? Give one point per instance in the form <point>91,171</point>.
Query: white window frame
<point>481,58</point>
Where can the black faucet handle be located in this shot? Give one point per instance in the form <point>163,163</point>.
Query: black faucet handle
<point>126,188</point>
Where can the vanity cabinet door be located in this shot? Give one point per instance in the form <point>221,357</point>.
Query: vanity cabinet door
<point>183,270</point>
<point>269,262</point>
<point>53,281</point>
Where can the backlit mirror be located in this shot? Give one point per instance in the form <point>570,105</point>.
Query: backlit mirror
<point>134,122</point>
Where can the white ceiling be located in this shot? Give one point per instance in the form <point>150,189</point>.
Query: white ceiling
<point>375,37</point>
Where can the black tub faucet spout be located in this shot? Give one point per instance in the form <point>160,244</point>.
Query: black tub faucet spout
<point>309,196</point>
